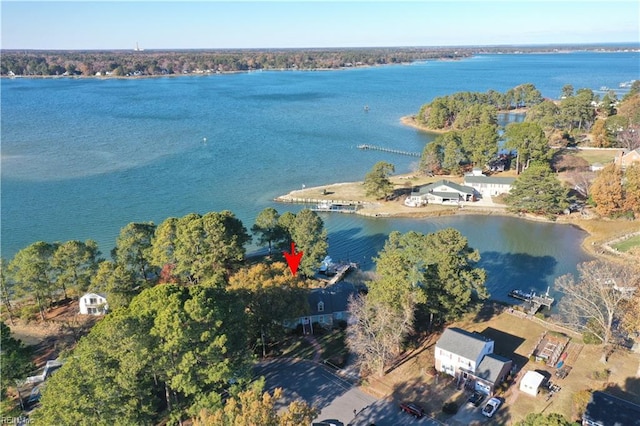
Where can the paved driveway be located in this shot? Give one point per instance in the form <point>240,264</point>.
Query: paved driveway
<point>335,397</point>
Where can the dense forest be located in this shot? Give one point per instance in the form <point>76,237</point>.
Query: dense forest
<point>136,63</point>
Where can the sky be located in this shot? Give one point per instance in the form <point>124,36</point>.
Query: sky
<point>100,25</point>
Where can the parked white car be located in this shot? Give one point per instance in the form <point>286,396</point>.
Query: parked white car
<point>491,407</point>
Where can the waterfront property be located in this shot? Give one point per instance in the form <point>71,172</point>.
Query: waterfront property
<point>440,192</point>
<point>93,304</point>
<point>470,359</point>
<point>327,306</point>
<point>489,185</point>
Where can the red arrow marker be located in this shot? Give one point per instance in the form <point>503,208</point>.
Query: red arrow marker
<point>293,258</point>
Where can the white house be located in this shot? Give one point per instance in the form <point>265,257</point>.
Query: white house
<point>469,357</point>
<point>93,304</point>
<point>530,382</point>
<point>489,185</point>
<point>440,192</point>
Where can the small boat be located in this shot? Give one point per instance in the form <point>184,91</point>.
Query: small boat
<point>519,294</point>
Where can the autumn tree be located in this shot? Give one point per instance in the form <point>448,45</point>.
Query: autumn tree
<point>377,331</point>
<point>376,181</point>
<point>537,190</point>
<point>271,295</point>
<point>254,407</point>
<point>593,301</point>
<point>607,192</point>
<point>631,189</point>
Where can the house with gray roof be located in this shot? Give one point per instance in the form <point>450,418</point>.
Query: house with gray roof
<point>469,356</point>
<point>440,192</point>
<point>327,306</point>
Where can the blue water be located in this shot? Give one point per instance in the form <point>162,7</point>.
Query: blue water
<point>82,158</point>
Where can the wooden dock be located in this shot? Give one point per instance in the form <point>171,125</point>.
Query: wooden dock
<point>393,151</point>
<point>535,301</point>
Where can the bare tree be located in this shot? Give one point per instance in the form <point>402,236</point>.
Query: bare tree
<point>597,299</point>
<point>377,331</point>
<point>581,181</point>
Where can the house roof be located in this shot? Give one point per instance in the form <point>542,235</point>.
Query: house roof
<point>463,343</point>
<point>608,410</point>
<point>443,182</point>
<point>499,180</point>
<point>532,379</point>
<point>103,295</point>
<point>335,298</point>
<point>491,366</point>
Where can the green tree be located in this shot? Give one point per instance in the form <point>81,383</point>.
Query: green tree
<point>567,91</point>
<point>267,227</point>
<point>6,289</point>
<point>377,183</point>
<point>439,270</point>
<point>32,273</point>
<point>480,143</point>
<point>529,141</point>
<point>117,282</point>
<point>431,158</point>
<point>74,262</point>
<point>310,237</point>
<point>546,114</point>
<point>577,111</point>
<point>185,343</point>
<point>163,246</point>
<point>15,360</point>
<point>538,419</point>
<point>537,190</point>
<point>133,246</point>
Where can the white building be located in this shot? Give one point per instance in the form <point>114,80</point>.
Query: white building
<point>531,382</point>
<point>489,185</point>
<point>93,304</point>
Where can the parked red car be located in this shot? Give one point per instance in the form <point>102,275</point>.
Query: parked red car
<point>413,409</point>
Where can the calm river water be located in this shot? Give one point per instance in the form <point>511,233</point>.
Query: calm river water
<point>82,158</point>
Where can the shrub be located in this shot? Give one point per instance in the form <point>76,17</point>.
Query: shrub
<point>601,374</point>
<point>28,312</point>
<point>450,407</point>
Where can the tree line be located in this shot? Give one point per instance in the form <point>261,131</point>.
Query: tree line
<point>534,147</point>
<point>158,62</point>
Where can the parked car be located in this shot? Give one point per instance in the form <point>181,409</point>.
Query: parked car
<point>491,407</point>
<point>413,409</point>
<point>476,399</point>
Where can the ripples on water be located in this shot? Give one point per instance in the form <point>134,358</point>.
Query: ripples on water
<point>82,158</point>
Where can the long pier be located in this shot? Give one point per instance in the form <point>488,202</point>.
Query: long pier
<point>393,151</point>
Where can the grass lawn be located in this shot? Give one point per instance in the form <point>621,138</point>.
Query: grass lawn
<point>601,156</point>
<point>627,244</point>
<point>414,378</point>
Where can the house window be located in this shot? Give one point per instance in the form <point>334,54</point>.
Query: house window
<point>92,311</point>
<point>321,318</point>
<point>320,306</point>
<point>93,301</point>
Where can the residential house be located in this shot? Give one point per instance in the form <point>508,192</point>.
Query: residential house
<point>626,159</point>
<point>93,304</point>
<point>605,409</point>
<point>489,185</point>
<point>469,356</point>
<point>440,192</point>
<point>327,306</point>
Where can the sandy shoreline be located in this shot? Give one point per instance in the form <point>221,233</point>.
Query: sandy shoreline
<point>599,231</point>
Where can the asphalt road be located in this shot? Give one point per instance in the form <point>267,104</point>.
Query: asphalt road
<point>335,397</point>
